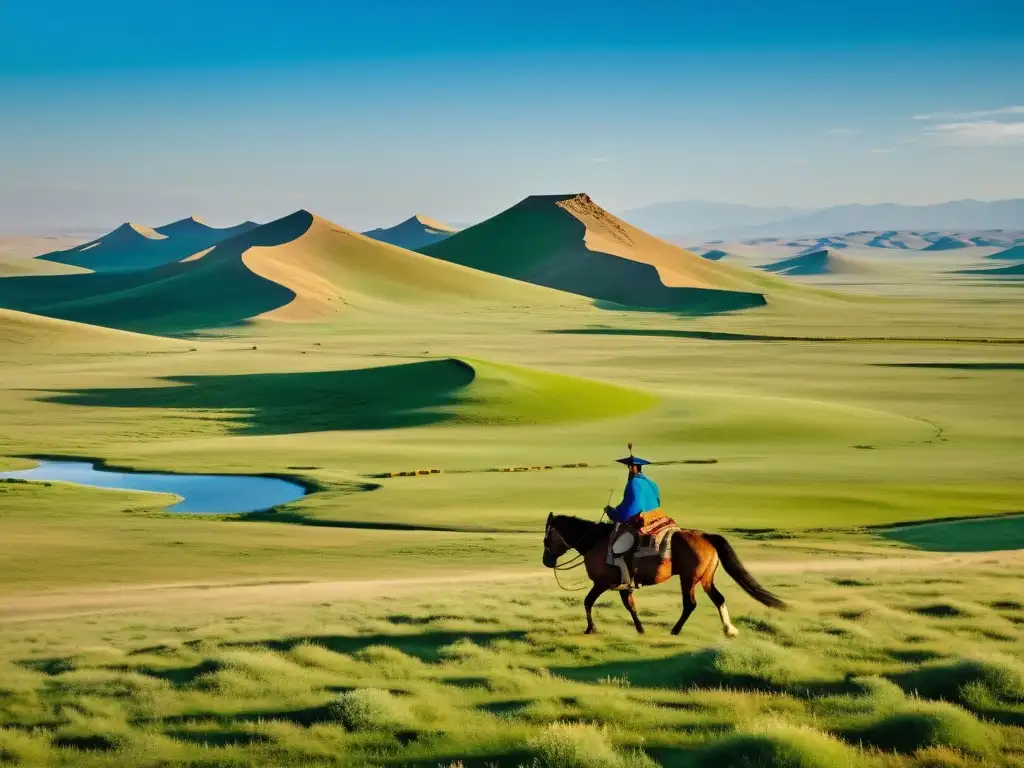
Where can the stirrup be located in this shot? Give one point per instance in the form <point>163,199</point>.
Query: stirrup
<point>629,585</point>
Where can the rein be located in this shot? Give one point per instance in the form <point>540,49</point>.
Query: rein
<point>574,562</point>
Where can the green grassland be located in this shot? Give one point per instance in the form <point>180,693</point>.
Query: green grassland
<point>407,620</point>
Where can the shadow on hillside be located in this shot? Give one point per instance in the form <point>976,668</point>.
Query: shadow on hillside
<point>695,669</point>
<point>539,242</point>
<point>992,534</point>
<point>409,395</point>
<point>695,302</point>
<point>676,333</point>
<point>672,333</point>
<point>297,518</point>
<point>958,366</point>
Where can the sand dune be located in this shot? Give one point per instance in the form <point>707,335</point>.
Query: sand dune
<point>415,232</point>
<point>570,243</point>
<point>824,262</point>
<point>298,268</point>
<point>47,334</point>
<point>328,267</point>
<point>133,247</point>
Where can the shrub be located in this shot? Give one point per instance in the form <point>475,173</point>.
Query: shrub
<point>762,664</point>
<point>372,709</point>
<point>927,724</point>
<point>777,745</point>
<point>563,745</point>
<point>962,681</point>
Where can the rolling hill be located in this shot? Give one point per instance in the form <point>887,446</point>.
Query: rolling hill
<point>901,240</point>
<point>824,262</point>
<point>451,390</point>
<point>413,233</point>
<point>1012,254</point>
<point>569,243</point>
<point>1010,270</point>
<point>297,268</point>
<point>133,247</point>
<point>46,335</point>
<point>949,243</point>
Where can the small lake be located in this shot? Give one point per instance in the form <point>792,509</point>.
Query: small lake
<point>209,494</point>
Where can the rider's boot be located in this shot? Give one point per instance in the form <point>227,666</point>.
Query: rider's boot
<point>626,581</point>
<point>632,573</point>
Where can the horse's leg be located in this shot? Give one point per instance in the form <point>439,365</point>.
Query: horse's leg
<point>719,600</point>
<point>630,603</point>
<point>689,603</point>
<point>588,602</point>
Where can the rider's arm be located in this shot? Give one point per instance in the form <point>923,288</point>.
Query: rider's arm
<point>627,508</point>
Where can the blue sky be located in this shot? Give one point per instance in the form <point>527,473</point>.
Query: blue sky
<point>369,112</point>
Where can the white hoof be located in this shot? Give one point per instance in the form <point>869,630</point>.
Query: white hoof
<point>731,631</point>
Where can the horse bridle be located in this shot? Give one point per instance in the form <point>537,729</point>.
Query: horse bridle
<point>572,563</point>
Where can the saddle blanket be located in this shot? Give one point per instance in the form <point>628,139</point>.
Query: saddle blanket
<point>654,537</point>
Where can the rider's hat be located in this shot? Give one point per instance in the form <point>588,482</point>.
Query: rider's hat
<point>631,459</point>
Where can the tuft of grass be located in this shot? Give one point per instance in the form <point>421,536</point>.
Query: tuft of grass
<point>777,745</point>
<point>368,709</point>
<point>927,724</point>
<point>1000,678</point>
<point>23,748</point>
<point>761,664</point>
<point>875,694</point>
<point>571,745</point>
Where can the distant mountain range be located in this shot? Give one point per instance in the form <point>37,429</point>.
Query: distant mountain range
<point>698,218</point>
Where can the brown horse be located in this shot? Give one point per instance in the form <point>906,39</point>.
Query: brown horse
<point>695,558</point>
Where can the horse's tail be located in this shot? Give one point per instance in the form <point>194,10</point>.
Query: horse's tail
<point>733,566</point>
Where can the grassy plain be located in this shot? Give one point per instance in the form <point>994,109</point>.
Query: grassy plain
<point>407,620</point>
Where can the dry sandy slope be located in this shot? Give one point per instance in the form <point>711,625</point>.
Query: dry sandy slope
<point>297,268</point>
<point>677,267</point>
<point>45,334</point>
<point>329,268</point>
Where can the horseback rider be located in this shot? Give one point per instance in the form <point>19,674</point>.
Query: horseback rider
<point>641,495</point>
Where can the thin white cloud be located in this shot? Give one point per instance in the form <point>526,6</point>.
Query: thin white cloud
<point>881,151</point>
<point>978,133</point>
<point>1014,110</point>
<point>842,132</point>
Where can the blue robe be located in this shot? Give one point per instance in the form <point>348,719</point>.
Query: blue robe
<point>641,495</point>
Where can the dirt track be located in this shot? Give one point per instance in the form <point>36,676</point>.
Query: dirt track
<point>158,597</point>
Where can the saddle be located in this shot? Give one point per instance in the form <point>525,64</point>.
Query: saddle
<point>653,531</point>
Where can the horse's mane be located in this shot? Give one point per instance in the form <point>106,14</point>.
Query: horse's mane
<point>579,532</point>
